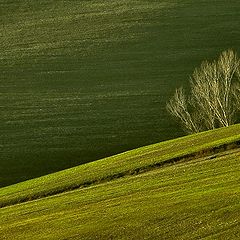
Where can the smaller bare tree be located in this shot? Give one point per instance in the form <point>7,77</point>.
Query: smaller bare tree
<point>214,99</point>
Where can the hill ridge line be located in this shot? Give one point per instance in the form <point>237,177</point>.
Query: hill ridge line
<point>210,153</point>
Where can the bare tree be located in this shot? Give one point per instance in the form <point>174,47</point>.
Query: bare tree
<point>214,99</point>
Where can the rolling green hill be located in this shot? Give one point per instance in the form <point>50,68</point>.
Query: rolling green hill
<point>82,80</point>
<point>187,188</point>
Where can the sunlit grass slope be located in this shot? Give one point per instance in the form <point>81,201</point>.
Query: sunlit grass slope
<point>127,163</point>
<point>82,80</point>
<point>194,199</point>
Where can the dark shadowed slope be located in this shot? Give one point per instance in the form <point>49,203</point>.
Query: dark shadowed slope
<point>81,80</point>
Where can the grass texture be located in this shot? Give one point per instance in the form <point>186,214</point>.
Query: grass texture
<point>127,163</point>
<point>195,199</point>
<point>82,80</point>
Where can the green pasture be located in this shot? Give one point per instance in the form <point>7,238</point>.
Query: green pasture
<point>127,163</point>
<point>195,199</point>
<point>82,80</point>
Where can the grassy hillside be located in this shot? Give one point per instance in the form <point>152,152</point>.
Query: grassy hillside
<point>81,80</point>
<point>127,163</point>
<point>194,198</point>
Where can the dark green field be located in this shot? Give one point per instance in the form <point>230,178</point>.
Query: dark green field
<point>81,80</point>
<point>189,189</point>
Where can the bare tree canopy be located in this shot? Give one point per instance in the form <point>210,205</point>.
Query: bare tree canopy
<point>214,98</point>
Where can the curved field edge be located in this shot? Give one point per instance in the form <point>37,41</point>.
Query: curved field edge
<point>81,80</point>
<point>118,165</point>
<point>189,200</point>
